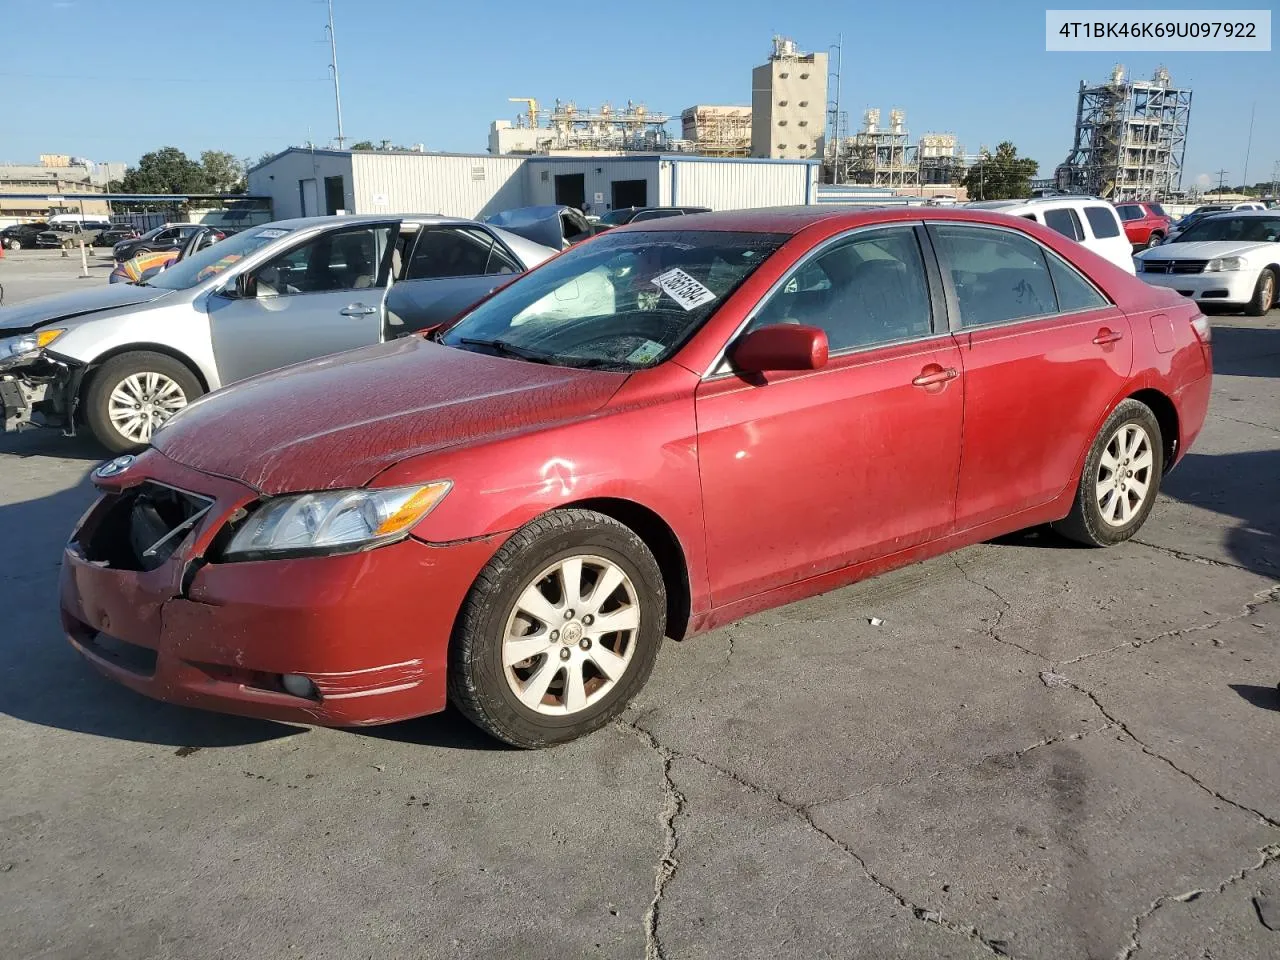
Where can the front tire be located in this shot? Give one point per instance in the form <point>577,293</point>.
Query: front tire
<point>1264,294</point>
<point>559,631</point>
<point>129,396</point>
<point>1120,480</point>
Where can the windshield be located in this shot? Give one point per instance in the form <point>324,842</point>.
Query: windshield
<point>1240,229</point>
<point>618,217</point>
<point>211,261</point>
<point>621,301</point>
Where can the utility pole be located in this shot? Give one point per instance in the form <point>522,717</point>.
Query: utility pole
<point>333,65</point>
<point>1222,181</point>
<point>1275,177</point>
<point>1248,145</point>
<point>835,177</point>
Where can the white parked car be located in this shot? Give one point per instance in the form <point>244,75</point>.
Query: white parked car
<point>1199,213</point>
<point>1230,258</point>
<point>1091,222</point>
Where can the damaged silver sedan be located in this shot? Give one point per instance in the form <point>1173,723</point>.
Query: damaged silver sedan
<point>122,359</point>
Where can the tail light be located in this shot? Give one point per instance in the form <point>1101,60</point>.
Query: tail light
<point>1200,324</point>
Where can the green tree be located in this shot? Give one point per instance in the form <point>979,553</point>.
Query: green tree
<point>167,170</point>
<point>364,145</point>
<point>1000,176</point>
<point>224,172</point>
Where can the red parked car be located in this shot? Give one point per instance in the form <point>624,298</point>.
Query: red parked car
<point>1145,224</point>
<point>657,432</point>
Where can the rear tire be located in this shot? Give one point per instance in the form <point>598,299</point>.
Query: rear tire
<point>1120,480</point>
<point>529,662</point>
<point>160,386</point>
<point>15,244</point>
<point>1154,239</point>
<point>1264,294</point>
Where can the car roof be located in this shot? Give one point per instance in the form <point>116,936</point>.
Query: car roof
<point>792,220</point>
<point>298,223</point>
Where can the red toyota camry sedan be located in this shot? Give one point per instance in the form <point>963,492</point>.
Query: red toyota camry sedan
<point>668,427</point>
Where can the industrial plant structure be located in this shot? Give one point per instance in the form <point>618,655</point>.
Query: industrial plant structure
<point>789,103</point>
<point>1130,138</point>
<point>716,131</point>
<point>877,155</point>
<point>566,128</point>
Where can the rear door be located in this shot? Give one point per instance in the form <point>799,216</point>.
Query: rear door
<point>448,269</point>
<point>321,296</point>
<point>1045,354</point>
<point>1104,235</point>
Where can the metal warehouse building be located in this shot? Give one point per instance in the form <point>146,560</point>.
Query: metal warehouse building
<point>306,182</point>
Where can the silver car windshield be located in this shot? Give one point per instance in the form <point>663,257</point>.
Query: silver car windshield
<point>620,301</point>
<point>211,261</point>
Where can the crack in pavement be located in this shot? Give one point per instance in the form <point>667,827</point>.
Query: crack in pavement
<point>1247,423</point>
<point>1195,557</point>
<point>1267,855</point>
<point>1261,598</point>
<point>672,806</point>
<point>1063,738</point>
<point>993,629</point>
<point>996,947</point>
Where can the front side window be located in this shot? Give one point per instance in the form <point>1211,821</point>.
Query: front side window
<point>869,289</point>
<point>998,276</point>
<point>1102,222</point>
<point>1065,222</point>
<point>623,301</point>
<point>450,252</point>
<point>337,260</point>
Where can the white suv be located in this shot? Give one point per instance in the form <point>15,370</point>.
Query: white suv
<point>1091,222</point>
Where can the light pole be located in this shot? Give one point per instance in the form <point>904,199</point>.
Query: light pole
<point>333,65</point>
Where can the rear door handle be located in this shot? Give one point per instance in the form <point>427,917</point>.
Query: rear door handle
<point>357,310</point>
<point>1107,335</point>
<point>934,375</point>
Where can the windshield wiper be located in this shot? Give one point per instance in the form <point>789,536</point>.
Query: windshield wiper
<point>508,350</point>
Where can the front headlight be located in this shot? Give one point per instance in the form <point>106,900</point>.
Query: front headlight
<point>27,345</point>
<point>1220,264</point>
<point>333,521</point>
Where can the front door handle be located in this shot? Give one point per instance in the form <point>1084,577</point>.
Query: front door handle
<point>934,374</point>
<point>357,310</point>
<point>1107,335</point>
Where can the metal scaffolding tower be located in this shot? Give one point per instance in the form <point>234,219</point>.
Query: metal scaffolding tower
<point>1130,138</point>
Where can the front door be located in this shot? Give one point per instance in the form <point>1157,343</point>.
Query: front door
<point>811,471</point>
<point>322,296</point>
<point>1044,355</point>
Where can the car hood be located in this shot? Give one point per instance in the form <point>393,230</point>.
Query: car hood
<point>1204,250</point>
<point>340,421</point>
<point>30,314</point>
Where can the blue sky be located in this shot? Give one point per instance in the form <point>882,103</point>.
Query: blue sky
<point>89,77</point>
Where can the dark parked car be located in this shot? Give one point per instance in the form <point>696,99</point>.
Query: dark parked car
<point>114,234</point>
<point>616,218</point>
<point>512,514</point>
<point>22,235</point>
<point>171,236</point>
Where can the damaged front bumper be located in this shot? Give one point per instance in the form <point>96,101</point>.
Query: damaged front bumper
<point>40,392</point>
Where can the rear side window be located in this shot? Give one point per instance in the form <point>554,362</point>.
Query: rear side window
<point>1065,222</point>
<point>1102,221</point>
<point>1074,291</point>
<point>450,252</point>
<point>1130,211</point>
<point>998,276</point>
<point>1156,209</point>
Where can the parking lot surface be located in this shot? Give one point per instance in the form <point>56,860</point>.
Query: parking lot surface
<point>1023,749</point>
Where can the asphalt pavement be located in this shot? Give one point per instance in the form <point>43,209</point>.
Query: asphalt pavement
<point>1035,751</point>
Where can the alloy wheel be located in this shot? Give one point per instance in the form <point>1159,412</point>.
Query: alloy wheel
<point>571,635</point>
<point>143,401</point>
<point>1124,475</point>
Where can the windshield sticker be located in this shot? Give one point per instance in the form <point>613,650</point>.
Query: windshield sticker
<point>682,288</point>
<point>647,352</point>
<point>272,234</point>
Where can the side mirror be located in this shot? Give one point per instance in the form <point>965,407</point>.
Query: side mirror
<point>780,346</point>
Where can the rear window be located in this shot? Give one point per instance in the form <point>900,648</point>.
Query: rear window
<point>1130,211</point>
<point>1102,221</point>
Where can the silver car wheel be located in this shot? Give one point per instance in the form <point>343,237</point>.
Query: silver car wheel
<point>571,635</point>
<point>141,402</point>
<point>1124,475</point>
